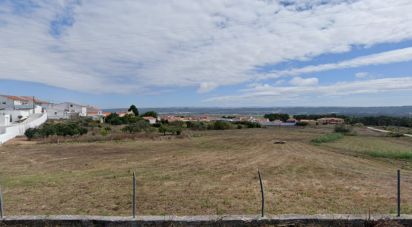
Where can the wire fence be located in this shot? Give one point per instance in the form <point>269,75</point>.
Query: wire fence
<point>262,192</point>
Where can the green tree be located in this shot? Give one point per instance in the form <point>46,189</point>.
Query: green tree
<point>150,114</point>
<point>139,126</point>
<point>163,129</point>
<point>134,109</point>
<point>31,133</point>
<point>277,116</point>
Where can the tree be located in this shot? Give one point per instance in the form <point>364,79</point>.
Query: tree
<point>134,109</point>
<point>114,119</point>
<point>163,129</point>
<point>139,126</point>
<point>277,116</point>
<point>150,114</point>
<point>31,133</point>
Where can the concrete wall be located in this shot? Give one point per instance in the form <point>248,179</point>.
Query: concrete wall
<point>319,220</point>
<point>19,129</point>
<point>4,120</point>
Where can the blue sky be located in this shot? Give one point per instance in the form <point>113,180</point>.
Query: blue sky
<point>208,53</point>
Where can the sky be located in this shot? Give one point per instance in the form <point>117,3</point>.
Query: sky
<point>215,53</point>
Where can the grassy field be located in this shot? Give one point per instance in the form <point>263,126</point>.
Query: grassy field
<point>211,172</point>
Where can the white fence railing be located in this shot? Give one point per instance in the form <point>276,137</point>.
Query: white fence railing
<point>19,129</point>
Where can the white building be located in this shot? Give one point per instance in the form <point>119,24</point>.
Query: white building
<point>10,102</point>
<point>151,120</point>
<point>65,110</point>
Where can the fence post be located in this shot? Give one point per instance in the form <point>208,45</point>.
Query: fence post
<point>134,196</point>
<point>263,195</point>
<point>399,193</point>
<point>1,204</point>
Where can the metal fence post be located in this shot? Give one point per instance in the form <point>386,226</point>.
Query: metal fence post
<point>134,196</point>
<point>263,195</point>
<point>399,193</point>
<point>1,204</point>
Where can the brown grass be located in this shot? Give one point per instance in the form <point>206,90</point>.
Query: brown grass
<point>213,172</point>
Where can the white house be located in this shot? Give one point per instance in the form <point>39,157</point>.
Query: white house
<point>15,102</point>
<point>95,113</point>
<point>151,120</point>
<point>65,110</point>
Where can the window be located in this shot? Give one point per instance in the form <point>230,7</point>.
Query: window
<point>4,103</point>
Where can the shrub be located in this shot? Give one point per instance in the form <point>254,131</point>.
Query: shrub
<point>31,133</point>
<point>327,138</point>
<point>302,123</point>
<point>395,134</point>
<point>104,131</point>
<point>221,125</point>
<point>139,126</point>
<point>196,125</point>
<point>343,129</point>
<point>170,129</point>
<point>150,114</point>
<point>390,154</point>
<point>277,116</point>
<point>59,129</point>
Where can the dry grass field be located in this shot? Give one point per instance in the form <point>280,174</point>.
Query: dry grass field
<point>212,172</point>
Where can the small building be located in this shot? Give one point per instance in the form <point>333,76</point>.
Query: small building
<point>65,110</point>
<point>309,122</point>
<point>151,120</point>
<point>10,102</point>
<point>331,121</point>
<point>95,113</point>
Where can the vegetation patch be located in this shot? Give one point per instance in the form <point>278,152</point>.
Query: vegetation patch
<point>327,138</point>
<point>390,154</point>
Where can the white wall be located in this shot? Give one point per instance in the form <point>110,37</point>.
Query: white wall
<point>4,120</point>
<point>19,129</point>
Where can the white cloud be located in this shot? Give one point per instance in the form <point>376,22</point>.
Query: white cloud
<point>134,45</point>
<point>394,56</point>
<point>206,86</point>
<point>269,93</point>
<point>299,81</point>
<point>361,75</point>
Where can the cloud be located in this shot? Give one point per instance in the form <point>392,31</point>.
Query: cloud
<point>361,75</point>
<point>206,87</point>
<point>388,57</point>
<point>299,81</point>
<point>272,93</point>
<point>143,46</point>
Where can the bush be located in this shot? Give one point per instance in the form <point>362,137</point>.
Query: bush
<point>31,133</point>
<point>139,126</point>
<point>150,114</point>
<point>221,125</point>
<point>277,116</point>
<point>170,129</point>
<point>302,123</point>
<point>343,129</point>
<point>390,154</point>
<point>196,125</point>
<point>395,134</point>
<point>104,131</point>
<point>327,138</point>
<point>59,129</point>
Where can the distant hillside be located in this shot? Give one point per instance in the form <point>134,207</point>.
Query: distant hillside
<point>356,111</point>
